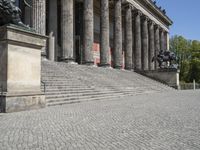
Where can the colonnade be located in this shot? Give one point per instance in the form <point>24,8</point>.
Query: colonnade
<point>143,37</point>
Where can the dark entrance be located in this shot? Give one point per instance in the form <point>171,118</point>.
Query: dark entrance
<point>78,31</point>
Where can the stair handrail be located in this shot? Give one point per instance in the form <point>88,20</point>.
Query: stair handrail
<point>44,84</point>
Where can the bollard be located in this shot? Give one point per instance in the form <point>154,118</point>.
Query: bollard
<point>194,84</point>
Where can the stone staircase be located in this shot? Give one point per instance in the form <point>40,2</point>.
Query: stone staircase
<point>70,83</point>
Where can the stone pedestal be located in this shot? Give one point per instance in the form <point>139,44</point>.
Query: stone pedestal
<point>20,69</point>
<point>169,77</point>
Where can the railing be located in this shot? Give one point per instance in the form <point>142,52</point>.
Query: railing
<point>1,98</point>
<point>189,86</point>
<point>44,86</point>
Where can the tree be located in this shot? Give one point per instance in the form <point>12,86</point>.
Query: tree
<point>188,52</point>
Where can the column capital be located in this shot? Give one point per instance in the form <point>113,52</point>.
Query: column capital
<point>137,12</point>
<point>162,30</point>
<point>157,26</point>
<point>166,32</point>
<point>128,6</point>
<point>151,22</point>
<point>145,18</point>
<point>116,0</point>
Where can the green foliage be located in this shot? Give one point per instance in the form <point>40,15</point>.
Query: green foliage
<point>194,71</point>
<point>188,52</point>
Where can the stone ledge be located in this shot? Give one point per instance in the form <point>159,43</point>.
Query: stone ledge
<point>13,34</point>
<point>21,103</point>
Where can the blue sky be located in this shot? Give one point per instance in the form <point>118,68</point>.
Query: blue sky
<point>186,17</point>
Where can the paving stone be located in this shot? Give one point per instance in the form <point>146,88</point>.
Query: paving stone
<point>167,121</point>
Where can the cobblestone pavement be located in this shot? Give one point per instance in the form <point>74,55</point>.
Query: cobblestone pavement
<point>143,122</point>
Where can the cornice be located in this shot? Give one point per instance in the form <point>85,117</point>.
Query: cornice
<point>151,8</point>
<point>158,10</point>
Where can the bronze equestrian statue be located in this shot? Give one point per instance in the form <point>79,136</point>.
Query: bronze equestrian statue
<point>10,13</point>
<point>166,57</point>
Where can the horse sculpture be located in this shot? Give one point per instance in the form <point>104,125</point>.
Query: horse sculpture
<point>10,14</point>
<point>166,57</point>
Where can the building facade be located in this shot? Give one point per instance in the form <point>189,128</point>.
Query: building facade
<point>118,33</point>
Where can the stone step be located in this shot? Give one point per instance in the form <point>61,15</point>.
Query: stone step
<point>54,92</point>
<point>78,100</point>
<point>66,83</point>
<point>61,101</point>
<point>94,93</point>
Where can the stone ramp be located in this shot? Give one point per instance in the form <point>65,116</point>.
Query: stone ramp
<point>69,83</point>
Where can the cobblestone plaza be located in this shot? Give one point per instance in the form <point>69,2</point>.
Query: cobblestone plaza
<point>106,108</point>
<point>167,121</point>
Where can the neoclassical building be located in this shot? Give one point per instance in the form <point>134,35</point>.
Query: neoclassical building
<point>117,33</point>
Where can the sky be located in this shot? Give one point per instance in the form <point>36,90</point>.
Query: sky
<point>185,15</point>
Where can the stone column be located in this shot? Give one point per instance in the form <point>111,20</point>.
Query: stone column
<point>104,34</point>
<point>51,47</point>
<point>39,16</point>
<point>53,24</point>
<point>162,40</point>
<point>145,43</point>
<point>39,19</point>
<point>117,34</point>
<point>166,40</point>
<point>157,43</point>
<point>67,30</point>
<point>151,45</point>
<point>138,45</point>
<point>128,38</point>
<point>27,13</point>
<point>88,37</point>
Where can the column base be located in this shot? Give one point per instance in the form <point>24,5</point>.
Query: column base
<point>88,63</point>
<point>104,65</point>
<point>128,68</point>
<point>68,60</point>
<point>20,102</point>
<point>117,67</point>
<point>137,70</point>
<point>44,54</point>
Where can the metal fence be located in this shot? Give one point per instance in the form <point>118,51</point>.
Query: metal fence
<point>1,98</point>
<point>44,86</point>
<point>189,86</point>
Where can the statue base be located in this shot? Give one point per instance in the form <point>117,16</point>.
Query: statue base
<point>20,69</point>
<point>167,76</point>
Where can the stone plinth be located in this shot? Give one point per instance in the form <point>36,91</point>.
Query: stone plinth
<point>20,69</point>
<point>166,76</point>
